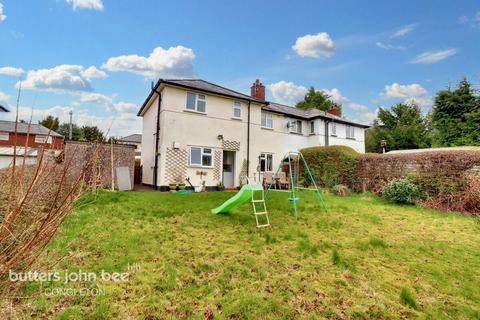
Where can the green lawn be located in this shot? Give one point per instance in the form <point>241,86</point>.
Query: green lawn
<point>364,258</point>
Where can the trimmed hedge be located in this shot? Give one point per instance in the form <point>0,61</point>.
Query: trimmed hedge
<point>330,165</point>
<point>447,178</point>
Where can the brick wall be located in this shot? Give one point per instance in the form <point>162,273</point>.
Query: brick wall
<point>99,156</point>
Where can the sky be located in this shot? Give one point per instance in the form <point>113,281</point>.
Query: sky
<point>99,57</point>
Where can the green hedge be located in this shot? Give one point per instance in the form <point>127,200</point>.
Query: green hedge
<point>330,165</point>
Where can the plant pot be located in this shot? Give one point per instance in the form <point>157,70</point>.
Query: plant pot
<point>172,186</point>
<point>181,186</point>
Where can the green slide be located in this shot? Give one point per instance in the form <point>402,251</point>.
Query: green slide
<point>243,195</point>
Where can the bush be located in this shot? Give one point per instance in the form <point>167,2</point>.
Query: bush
<point>330,165</point>
<point>401,191</point>
<point>340,190</point>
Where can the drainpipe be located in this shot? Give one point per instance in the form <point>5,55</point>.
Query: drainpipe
<point>248,139</point>
<point>326,133</point>
<point>157,132</point>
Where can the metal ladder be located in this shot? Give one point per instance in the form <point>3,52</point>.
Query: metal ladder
<point>260,213</point>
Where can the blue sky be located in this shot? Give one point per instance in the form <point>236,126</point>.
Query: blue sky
<point>98,57</point>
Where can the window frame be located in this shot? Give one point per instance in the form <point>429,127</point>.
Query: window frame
<point>237,105</point>
<point>350,132</point>
<point>267,157</point>
<point>333,129</point>
<point>47,139</point>
<point>202,155</point>
<point>312,127</point>
<point>4,134</point>
<point>296,124</point>
<point>268,116</point>
<point>197,99</point>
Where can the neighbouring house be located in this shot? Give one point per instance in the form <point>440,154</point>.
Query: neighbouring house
<point>214,135</point>
<point>135,140</point>
<point>32,136</point>
<point>3,109</point>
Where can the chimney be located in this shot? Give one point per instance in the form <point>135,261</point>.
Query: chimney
<point>258,90</point>
<point>335,110</point>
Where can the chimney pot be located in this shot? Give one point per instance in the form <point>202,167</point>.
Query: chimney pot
<point>258,90</point>
<point>335,110</point>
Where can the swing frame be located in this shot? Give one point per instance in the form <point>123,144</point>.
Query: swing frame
<point>293,179</point>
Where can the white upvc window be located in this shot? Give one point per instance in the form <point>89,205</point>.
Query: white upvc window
<point>200,156</point>
<point>312,127</point>
<point>237,110</point>
<point>333,128</point>
<point>267,120</point>
<point>196,102</point>
<point>296,126</point>
<point>266,162</point>
<point>350,132</point>
<point>4,136</point>
<point>43,139</point>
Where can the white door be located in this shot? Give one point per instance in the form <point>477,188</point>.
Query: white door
<point>229,169</point>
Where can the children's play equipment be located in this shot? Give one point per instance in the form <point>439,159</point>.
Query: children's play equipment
<point>295,160</point>
<point>247,192</point>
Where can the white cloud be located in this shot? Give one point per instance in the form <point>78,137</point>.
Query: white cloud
<point>126,107</point>
<point>366,117</point>
<point>410,93</point>
<point>357,106</point>
<point>387,46</point>
<point>4,97</point>
<point>335,95</point>
<point>65,78</point>
<point>433,56</point>
<point>86,4</point>
<point>316,46</point>
<point>287,92</point>
<point>404,31</point>
<point>472,21</point>
<point>173,62</point>
<point>2,16</point>
<point>11,71</point>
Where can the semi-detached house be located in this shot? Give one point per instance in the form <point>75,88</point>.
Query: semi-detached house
<point>211,134</point>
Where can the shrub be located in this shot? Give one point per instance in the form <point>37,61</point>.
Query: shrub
<point>340,190</point>
<point>330,165</point>
<point>401,191</point>
<point>407,298</point>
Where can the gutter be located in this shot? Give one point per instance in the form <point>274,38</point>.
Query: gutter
<point>327,142</point>
<point>157,132</point>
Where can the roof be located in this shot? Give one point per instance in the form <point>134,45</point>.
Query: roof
<point>308,114</point>
<point>9,126</point>
<point>205,86</point>
<point>135,138</point>
<point>201,85</point>
<point>3,109</point>
<point>9,151</point>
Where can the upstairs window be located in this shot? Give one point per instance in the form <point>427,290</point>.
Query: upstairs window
<point>5,136</point>
<point>237,110</point>
<point>266,162</point>
<point>195,102</point>
<point>333,128</point>
<point>43,139</point>
<point>296,126</point>
<point>350,132</point>
<point>200,156</point>
<point>267,120</point>
<point>312,127</point>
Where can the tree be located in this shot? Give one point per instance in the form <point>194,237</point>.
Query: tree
<point>455,118</point>
<point>64,130</point>
<point>93,134</point>
<point>316,100</point>
<point>50,122</point>
<point>402,127</point>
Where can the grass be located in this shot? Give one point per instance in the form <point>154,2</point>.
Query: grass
<point>363,259</point>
